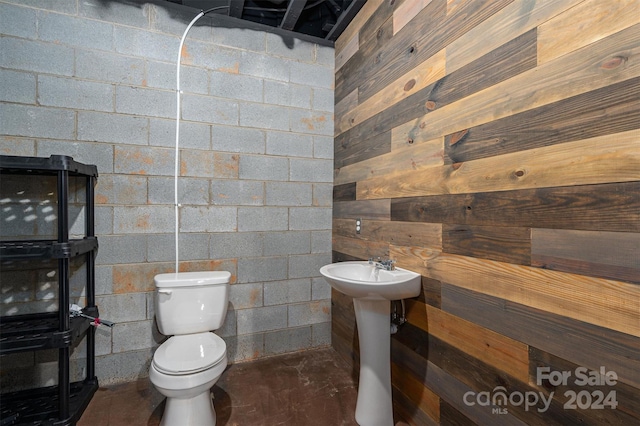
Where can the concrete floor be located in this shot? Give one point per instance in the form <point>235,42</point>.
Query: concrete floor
<point>312,388</point>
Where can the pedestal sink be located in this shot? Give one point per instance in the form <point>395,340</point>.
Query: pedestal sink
<point>372,290</point>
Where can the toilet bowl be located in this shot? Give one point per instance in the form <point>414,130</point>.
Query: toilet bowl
<point>188,364</point>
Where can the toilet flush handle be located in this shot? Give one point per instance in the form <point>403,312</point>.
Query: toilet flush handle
<point>163,291</point>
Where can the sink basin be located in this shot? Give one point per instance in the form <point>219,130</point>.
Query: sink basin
<point>372,290</point>
<point>361,280</point>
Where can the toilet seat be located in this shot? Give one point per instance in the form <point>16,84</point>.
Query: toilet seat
<point>189,354</point>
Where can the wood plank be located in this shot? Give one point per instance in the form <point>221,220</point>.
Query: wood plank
<point>612,109</point>
<point>347,103</point>
<point>400,233</point>
<point>375,209</point>
<point>606,303</point>
<point>586,23</point>
<point>430,294</point>
<point>579,342</point>
<point>345,192</point>
<point>356,24</point>
<point>449,416</point>
<point>352,150</point>
<point>612,255</point>
<point>422,38</point>
<point>422,399</point>
<point>608,207</point>
<point>627,411</point>
<point>603,159</point>
<point>501,243</point>
<point>360,248</point>
<point>407,10</point>
<point>488,346</point>
<point>512,21</point>
<point>593,66</point>
<point>408,157</point>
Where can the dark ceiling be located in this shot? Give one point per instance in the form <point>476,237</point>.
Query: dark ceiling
<point>322,20</point>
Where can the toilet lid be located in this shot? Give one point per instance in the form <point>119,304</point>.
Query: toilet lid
<point>190,353</point>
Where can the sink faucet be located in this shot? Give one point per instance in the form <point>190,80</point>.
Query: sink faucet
<point>387,265</point>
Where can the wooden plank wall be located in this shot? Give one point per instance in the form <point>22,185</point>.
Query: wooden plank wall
<point>494,147</point>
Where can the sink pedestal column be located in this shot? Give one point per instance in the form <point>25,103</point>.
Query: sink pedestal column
<point>374,406</point>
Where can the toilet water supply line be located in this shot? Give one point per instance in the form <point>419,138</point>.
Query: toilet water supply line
<point>177,152</point>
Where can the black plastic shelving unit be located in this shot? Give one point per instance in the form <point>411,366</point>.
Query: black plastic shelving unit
<point>64,403</point>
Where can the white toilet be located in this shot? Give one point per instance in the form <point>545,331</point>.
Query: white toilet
<point>189,305</point>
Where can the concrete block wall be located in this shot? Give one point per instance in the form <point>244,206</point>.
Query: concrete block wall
<point>95,79</point>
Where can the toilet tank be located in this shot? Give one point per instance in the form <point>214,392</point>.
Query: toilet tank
<point>191,302</point>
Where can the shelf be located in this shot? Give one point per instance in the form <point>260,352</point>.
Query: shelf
<point>42,165</point>
<point>40,406</point>
<point>31,332</point>
<point>46,249</point>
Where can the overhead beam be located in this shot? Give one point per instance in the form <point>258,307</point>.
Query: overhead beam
<point>344,19</point>
<point>291,16</point>
<point>235,8</point>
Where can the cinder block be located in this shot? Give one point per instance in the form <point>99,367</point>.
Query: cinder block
<point>64,29</point>
<point>309,313</point>
<point>300,50</point>
<point>192,135</point>
<point>124,367</point>
<point>241,38</point>
<point>290,340</point>
<point>100,154</point>
<point>287,94</point>
<point>312,75</point>
<point>145,44</point>
<point>226,166</point>
<point>322,194</point>
<point>143,219</point>
<point>238,139</point>
<point>116,128</point>
<point>17,86</point>
<point>104,279</point>
<point>212,57</point>
<point>290,242</point>
<point>245,348</point>
<point>104,220</point>
<point>321,241</point>
<point>208,219</point>
<point>237,192</point>
<point>144,160</point>
<point>262,269</point>
<point>27,55</point>
<point>209,110</point>
<point>10,145</point>
<point>325,55</point>
<point>311,170</point>
<point>190,191</point>
<point>236,244</point>
<point>289,144</point>
<point>131,336</point>
<point>18,21</point>
<point>123,307</point>
<point>64,6</point>
<point>145,102</point>
<point>133,14</point>
<point>323,147</point>
<point>321,334</point>
<point>312,122</point>
<point>229,326</point>
<point>262,219</point>
<point>196,163</point>
<point>121,249</point>
<point>162,75</point>
<point>76,94</point>
<point>109,67</point>
<point>235,86</point>
<point>172,19</point>
<point>256,320</point>
<point>284,292</point>
<point>137,278</point>
<point>289,194</point>
<point>265,66</point>
<point>323,99</point>
<point>121,189</point>
<point>320,289</point>
<point>307,265</point>
<point>243,296</point>
<point>264,116</point>
<point>161,247</point>
<point>22,120</point>
<point>264,168</point>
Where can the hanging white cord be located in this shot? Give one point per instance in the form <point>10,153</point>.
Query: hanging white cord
<point>177,153</point>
